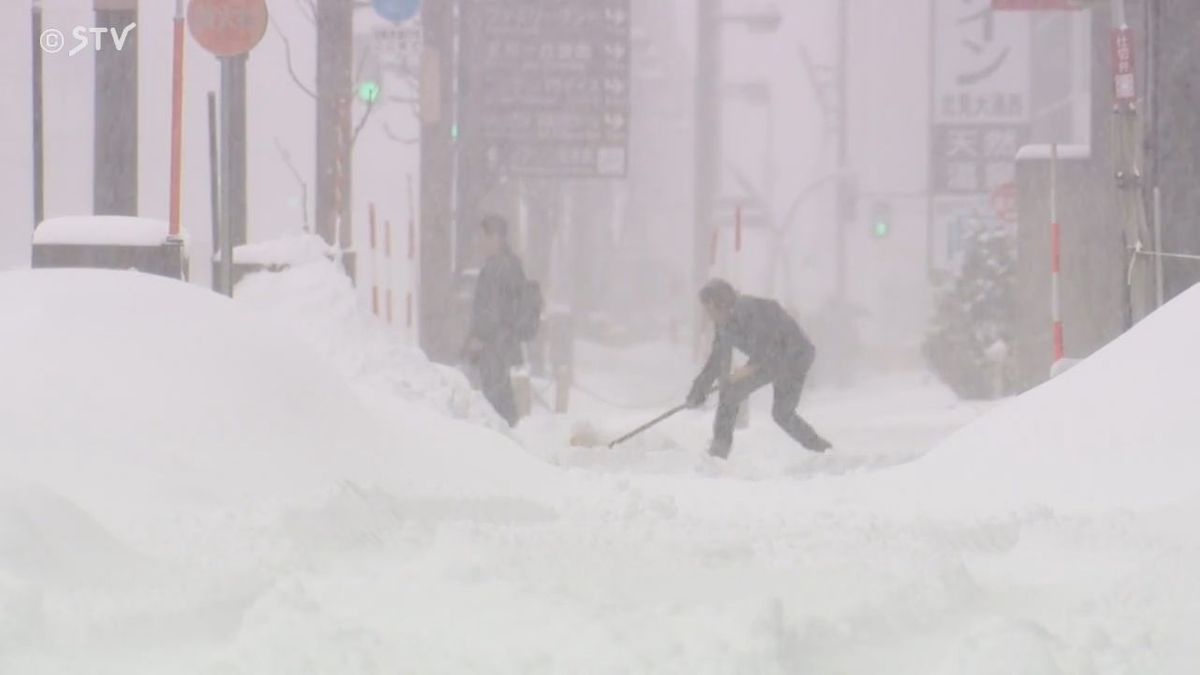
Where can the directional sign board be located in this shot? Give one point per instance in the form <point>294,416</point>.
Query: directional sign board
<point>228,27</point>
<point>549,83</point>
<point>982,88</point>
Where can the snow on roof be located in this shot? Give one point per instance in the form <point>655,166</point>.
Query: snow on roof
<point>101,230</point>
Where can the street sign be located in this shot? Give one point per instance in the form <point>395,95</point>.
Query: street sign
<point>1124,82</point>
<point>397,10</point>
<point>982,90</point>
<point>398,48</point>
<point>549,85</point>
<point>228,27</point>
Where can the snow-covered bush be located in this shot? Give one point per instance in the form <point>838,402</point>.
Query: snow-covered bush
<point>968,342</point>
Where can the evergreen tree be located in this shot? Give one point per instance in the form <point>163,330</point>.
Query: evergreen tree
<point>969,343</point>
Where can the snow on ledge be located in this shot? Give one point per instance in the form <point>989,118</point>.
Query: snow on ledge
<point>1043,152</point>
<point>101,231</point>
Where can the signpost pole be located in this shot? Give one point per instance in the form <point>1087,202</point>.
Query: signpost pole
<point>229,29</point>
<point>214,187</point>
<point>229,174</point>
<point>1055,258</point>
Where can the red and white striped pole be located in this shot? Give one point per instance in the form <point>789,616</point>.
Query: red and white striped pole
<point>387,269</point>
<point>177,123</point>
<point>737,229</point>
<point>374,261</point>
<point>1055,257</point>
<point>412,259</point>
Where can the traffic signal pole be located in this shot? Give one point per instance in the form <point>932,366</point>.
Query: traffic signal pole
<point>843,212</point>
<point>707,143</point>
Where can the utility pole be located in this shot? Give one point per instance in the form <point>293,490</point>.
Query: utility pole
<point>435,300</point>
<point>844,209</point>
<point>115,156</point>
<point>335,47</point>
<point>39,200</point>
<point>708,149</point>
<point>1128,147</point>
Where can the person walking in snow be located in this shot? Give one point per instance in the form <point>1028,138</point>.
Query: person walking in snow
<point>779,354</point>
<point>493,341</point>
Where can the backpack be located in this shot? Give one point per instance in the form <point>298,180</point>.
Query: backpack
<point>528,317</point>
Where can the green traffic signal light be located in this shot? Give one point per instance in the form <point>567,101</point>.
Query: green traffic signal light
<point>368,91</point>
<point>881,219</point>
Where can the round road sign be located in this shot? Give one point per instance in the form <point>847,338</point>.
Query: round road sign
<point>396,10</point>
<point>228,27</point>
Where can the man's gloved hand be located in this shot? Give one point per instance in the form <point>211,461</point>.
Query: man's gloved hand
<point>697,396</point>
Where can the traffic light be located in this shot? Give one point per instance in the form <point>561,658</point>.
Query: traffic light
<point>368,91</point>
<point>881,220</point>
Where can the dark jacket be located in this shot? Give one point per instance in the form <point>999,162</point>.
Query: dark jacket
<point>497,301</point>
<point>763,331</point>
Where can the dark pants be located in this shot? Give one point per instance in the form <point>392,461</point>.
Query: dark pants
<point>496,383</point>
<point>788,386</point>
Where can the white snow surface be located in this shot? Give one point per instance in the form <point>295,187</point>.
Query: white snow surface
<point>295,250</point>
<point>431,542</point>
<point>102,230</point>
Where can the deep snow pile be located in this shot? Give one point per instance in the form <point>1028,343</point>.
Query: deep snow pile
<point>1116,431</point>
<point>459,553</point>
<point>316,302</point>
<point>125,391</point>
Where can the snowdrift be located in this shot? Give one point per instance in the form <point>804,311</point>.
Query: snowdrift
<point>131,394</point>
<point>1119,430</point>
<point>438,423</point>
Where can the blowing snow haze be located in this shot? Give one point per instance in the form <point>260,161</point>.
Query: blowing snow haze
<point>599,336</point>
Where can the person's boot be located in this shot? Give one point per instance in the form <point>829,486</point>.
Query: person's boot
<point>720,448</point>
<point>816,443</point>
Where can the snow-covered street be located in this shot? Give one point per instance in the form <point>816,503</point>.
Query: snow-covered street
<point>394,529</point>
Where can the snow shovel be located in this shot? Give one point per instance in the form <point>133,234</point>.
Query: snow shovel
<point>656,420</point>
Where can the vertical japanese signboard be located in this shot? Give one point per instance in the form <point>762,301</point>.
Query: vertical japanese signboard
<point>981,116</point>
<point>550,85</point>
<point>1124,83</point>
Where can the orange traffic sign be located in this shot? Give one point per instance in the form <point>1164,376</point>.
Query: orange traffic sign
<point>228,27</point>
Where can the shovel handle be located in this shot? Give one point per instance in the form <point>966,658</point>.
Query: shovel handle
<point>679,408</point>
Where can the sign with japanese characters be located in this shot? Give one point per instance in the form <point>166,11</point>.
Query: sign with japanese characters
<point>549,83</point>
<point>982,83</point>
<point>975,158</point>
<point>1124,84</point>
<point>398,48</point>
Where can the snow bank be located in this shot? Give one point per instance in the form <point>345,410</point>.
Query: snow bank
<point>284,251</point>
<point>132,395</point>
<point>316,302</point>
<point>1116,431</point>
<point>102,230</point>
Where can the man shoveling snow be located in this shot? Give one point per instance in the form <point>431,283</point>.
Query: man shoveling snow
<point>779,353</point>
